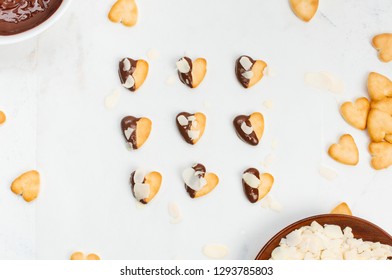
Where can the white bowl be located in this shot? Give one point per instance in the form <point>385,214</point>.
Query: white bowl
<point>10,39</point>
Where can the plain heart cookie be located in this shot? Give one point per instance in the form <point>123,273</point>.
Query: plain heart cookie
<point>198,182</point>
<point>256,186</point>
<point>136,131</point>
<point>3,117</point>
<point>249,71</point>
<point>250,128</point>
<point>191,73</point>
<point>132,73</point>
<point>191,126</point>
<point>383,105</point>
<point>379,125</point>
<point>345,151</point>
<point>343,209</point>
<point>144,185</point>
<point>379,86</point>
<point>124,11</point>
<point>381,155</point>
<point>27,185</point>
<point>304,9</point>
<point>383,44</point>
<point>80,256</point>
<point>356,113</point>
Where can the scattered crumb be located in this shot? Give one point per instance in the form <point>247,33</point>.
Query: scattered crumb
<point>270,72</point>
<point>269,202</point>
<point>215,251</point>
<point>174,212</point>
<point>324,81</point>
<point>274,144</point>
<point>269,159</point>
<point>153,54</point>
<point>327,172</point>
<point>171,80</point>
<point>111,100</point>
<point>3,117</point>
<point>269,104</point>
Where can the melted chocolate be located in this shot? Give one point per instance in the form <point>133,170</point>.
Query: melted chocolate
<point>185,128</point>
<point>132,183</point>
<point>17,16</point>
<point>251,193</point>
<point>239,70</point>
<point>124,74</point>
<point>130,122</point>
<point>186,78</point>
<point>251,139</point>
<point>197,167</point>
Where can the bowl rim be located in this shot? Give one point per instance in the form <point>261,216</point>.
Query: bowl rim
<point>12,39</point>
<point>315,218</point>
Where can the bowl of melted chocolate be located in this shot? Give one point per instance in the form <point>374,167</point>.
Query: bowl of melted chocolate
<point>22,19</point>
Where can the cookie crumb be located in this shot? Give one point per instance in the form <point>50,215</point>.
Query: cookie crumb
<point>174,212</point>
<point>327,173</point>
<point>111,100</point>
<point>215,251</point>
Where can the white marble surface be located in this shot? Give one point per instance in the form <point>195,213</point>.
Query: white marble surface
<point>53,89</point>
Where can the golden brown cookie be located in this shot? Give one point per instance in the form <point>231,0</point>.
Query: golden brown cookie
<point>136,130</point>
<point>379,125</point>
<point>381,155</point>
<point>384,105</point>
<point>145,186</point>
<point>3,117</point>
<point>383,44</point>
<point>191,73</point>
<point>79,256</point>
<point>356,113</point>
<point>132,73</point>
<point>198,182</point>
<point>342,208</point>
<point>27,185</point>
<point>379,86</point>
<point>191,126</point>
<point>304,9</point>
<point>250,128</point>
<point>345,151</point>
<point>124,11</point>
<point>256,186</point>
<point>249,71</point>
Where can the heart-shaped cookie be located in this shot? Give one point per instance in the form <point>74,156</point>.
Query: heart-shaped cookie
<point>379,125</point>
<point>250,128</point>
<point>383,105</point>
<point>124,11</point>
<point>79,256</point>
<point>345,151</point>
<point>256,186</point>
<point>381,155</point>
<point>383,44</point>
<point>132,73</point>
<point>191,126</point>
<point>3,117</point>
<point>27,185</point>
<point>198,182</point>
<point>304,9</point>
<point>191,73</point>
<point>356,113</point>
<point>136,130</point>
<point>379,86</point>
<point>249,71</point>
<point>342,208</point>
<point>144,185</point>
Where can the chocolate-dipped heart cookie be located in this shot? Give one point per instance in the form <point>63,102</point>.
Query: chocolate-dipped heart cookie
<point>256,186</point>
<point>191,126</point>
<point>191,73</point>
<point>249,71</point>
<point>136,130</point>
<point>250,128</point>
<point>132,73</point>
<point>144,185</point>
<point>198,182</point>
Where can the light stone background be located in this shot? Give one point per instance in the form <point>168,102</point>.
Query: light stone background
<point>53,87</point>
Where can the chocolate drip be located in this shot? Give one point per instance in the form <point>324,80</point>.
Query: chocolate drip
<point>251,193</point>
<point>185,128</point>
<point>197,167</point>
<point>132,183</point>
<point>186,78</point>
<point>124,74</point>
<point>239,70</point>
<point>130,122</point>
<point>251,139</point>
<point>17,16</point>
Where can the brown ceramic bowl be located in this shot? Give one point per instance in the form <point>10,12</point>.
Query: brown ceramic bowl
<point>361,229</point>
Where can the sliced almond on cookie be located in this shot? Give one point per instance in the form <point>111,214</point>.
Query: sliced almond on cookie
<point>79,256</point>
<point>145,186</point>
<point>256,186</point>
<point>136,130</point>
<point>345,151</point>
<point>249,71</point>
<point>381,155</point>
<point>124,11</point>
<point>132,73</point>
<point>250,128</point>
<point>342,208</point>
<point>379,125</point>
<point>198,182</point>
<point>27,185</point>
<point>379,86</point>
<point>383,44</point>
<point>191,126</point>
<point>191,73</point>
<point>304,9</point>
<point>384,105</point>
<point>356,113</point>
